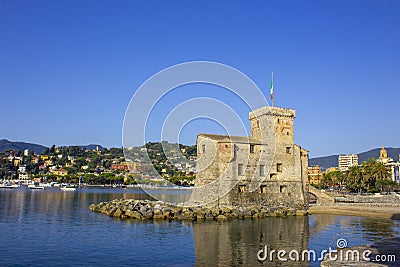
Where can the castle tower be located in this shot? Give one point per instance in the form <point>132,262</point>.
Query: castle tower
<point>265,168</point>
<point>274,124</point>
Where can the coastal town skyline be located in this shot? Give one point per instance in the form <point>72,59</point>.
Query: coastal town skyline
<point>71,85</point>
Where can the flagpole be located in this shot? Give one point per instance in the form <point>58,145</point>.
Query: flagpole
<point>272,88</point>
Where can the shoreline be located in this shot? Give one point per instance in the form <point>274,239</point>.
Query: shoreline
<point>377,210</point>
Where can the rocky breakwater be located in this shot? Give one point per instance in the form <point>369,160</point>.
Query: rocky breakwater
<point>156,210</point>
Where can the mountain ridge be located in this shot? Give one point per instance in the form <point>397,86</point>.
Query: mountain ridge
<point>21,146</point>
<point>332,160</point>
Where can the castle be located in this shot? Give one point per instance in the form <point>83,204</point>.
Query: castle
<point>264,169</point>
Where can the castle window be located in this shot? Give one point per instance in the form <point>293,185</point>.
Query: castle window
<point>263,189</point>
<point>241,188</point>
<point>203,148</point>
<point>282,188</point>
<point>279,167</point>
<point>240,169</point>
<point>251,148</point>
<point>288,149</point>
<point>279,120</point>
<point>287,133</point>
<point>262,168</point>
<point>272,176</point>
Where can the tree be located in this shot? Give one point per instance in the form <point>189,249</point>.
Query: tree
<point>354,177</point>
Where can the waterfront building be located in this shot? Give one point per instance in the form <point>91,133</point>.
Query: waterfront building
<point>394,165</point>
<point>347,161</point>
<point>60,172</point>
<point>314,175</point>
<point>268,159</point>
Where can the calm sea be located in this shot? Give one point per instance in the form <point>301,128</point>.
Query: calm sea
<point>55,228</point>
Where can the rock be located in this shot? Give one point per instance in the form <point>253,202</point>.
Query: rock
<point>247,214</point>
<point>187,215</point>
<point>158,217</point>
<point>222,217</point>
<point>280,212</point>
<point>215,212</point>
<point>235,214</point>
<point>291,212</point>
<point>301,212</point>
<point>118,213</point>
<point>111,211</point>
<point>209,217</point>
<point>157,212</point>
<point>226,210</point>
<point>148,214</point>
<point>136,215</point>
<point>199,214</point>
<point>143,209</point>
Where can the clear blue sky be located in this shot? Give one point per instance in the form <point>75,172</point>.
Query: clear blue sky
<point>69,68</point>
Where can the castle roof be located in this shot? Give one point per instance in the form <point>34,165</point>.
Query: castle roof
<point>220,138</point>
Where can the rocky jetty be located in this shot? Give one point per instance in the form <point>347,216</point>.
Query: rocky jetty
<point>157,210</point>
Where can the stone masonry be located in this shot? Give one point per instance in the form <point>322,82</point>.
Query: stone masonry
<point>264,169</point>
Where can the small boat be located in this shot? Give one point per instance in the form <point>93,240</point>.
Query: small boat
<point>35,186</point>
<point>68,188</point>
<point>8,185</point>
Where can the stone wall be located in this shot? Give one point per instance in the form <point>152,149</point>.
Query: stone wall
<point>265,169</point>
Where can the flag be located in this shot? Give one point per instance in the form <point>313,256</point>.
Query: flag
<point>272,87</point>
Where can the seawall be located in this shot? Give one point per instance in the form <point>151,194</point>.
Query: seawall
<point>157,210</point>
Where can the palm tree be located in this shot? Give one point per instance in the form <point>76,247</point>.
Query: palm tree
<point>382,174</point>
<point>368,170</point>
<point>354,178</point>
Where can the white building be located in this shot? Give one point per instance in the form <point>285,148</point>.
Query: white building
<point>24,176</point>
<point>347,161</point>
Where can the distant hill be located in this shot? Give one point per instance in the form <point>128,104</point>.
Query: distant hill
<point>332,161</point>
<point>21,146</point>
<point>8,145</point>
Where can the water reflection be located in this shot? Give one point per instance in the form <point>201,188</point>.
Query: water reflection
<point>237,242</point>
<point>53,225</point>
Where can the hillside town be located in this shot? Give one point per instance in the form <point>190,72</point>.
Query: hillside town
<point>78,165</point>
<point>102,166</point>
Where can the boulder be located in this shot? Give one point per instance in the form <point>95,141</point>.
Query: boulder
<point>225,210</point>
<point>215,212</point>
<point>301,212</point>
<point>222,217</point>
<point>157,212</point>
<point>209,217</point>
<point>158,217</point>
<point>247,213</point>
<point>148,214</point>
<point>118,213</point>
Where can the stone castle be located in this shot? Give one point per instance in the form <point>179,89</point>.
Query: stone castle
<point>264,169</point>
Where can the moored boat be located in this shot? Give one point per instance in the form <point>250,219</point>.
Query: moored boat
<point>68,188</point>
<point>35,186</point>
<point>8,185</point>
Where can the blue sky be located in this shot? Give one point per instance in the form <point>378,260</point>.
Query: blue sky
<point>68,69</point>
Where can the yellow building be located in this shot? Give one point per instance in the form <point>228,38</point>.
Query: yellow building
<point>314,175</point>
<point>60,172</point>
